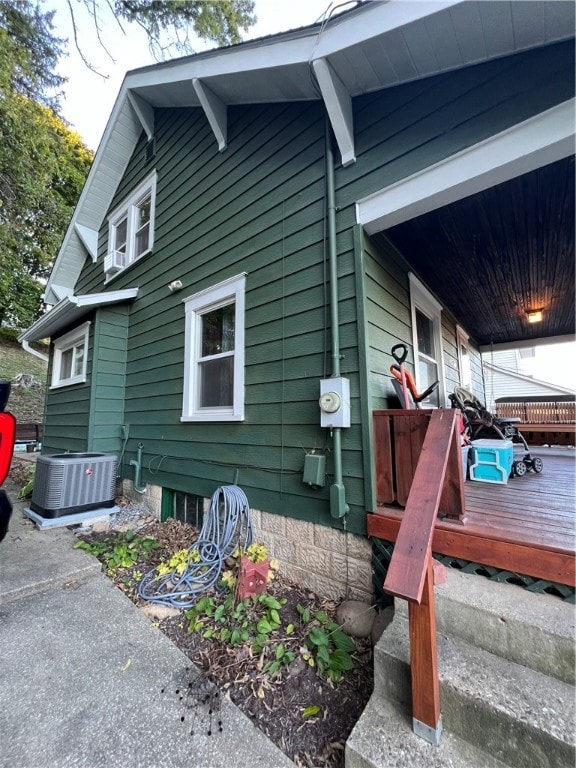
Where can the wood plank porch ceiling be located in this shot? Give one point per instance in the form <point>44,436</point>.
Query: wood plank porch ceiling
<point>494,256</point>
<point>526,526</point>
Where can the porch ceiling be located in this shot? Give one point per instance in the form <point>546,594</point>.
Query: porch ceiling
<point>491,257</point>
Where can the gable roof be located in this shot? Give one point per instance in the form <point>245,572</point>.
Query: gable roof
<point>376,45</point>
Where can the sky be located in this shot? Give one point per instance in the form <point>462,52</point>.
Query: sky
<point>89,99</point>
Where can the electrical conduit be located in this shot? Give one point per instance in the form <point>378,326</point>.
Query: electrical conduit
<point>338,506</point>
<point>137,464</point>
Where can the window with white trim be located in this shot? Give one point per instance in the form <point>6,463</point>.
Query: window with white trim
<point>464,364</point>
<point>427,340</point>
<point>131,228</point>
<point>214,353</point>
<point>70,357</point>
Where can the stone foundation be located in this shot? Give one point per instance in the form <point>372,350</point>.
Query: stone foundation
<point>152,497</point>
<point>323,559</point>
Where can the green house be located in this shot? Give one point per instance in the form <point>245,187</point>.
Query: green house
<point>263,223</point>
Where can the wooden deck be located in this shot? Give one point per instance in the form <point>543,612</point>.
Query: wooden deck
<point>526,526</point>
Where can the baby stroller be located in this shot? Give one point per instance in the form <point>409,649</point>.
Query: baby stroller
<point>480,423</point>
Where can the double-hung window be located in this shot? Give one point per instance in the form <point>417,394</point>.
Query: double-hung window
<point>131,228</point>
<point>70,355</point>
<point>427,340</point>
<point>214,353</point>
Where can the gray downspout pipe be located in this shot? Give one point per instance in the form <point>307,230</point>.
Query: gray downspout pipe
<point>137,464</point>
<point>338,505</point>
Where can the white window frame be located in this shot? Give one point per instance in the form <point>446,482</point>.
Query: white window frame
<point>424,301</point>
<point>129,209</point>
<point>462,340</point>
<point>231,291</point>
<point>71,341</point>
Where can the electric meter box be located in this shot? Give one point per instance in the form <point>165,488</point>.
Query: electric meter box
<point>334,402</point>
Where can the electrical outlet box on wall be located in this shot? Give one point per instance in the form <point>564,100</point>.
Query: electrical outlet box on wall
<point>335,402</point>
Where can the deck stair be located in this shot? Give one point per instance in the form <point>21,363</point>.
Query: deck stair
<point>506,665</point>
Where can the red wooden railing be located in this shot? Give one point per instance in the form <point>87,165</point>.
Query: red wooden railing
<point>437,478</point>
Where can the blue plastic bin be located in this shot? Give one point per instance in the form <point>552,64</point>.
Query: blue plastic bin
<point>491,461</point>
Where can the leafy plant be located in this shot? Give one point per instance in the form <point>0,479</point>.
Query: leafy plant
<point>328,647</point>
<point>123,551</point>
<point>28,487</point>
<point>252,620</point>
<point>178,562</point>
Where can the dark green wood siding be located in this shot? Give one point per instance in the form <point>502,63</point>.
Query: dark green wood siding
<point>108,379</point>
<point>258,207</point>
<point>67,412</point>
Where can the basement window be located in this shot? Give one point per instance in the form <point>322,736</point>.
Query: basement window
<point>184,507</point>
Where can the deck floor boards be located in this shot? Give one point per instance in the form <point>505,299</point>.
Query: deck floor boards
<point>536,512</point>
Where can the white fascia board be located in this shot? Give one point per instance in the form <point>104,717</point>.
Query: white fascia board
<point>248,57</point>
<point>375,18</point>
<point>215,110</point>
<point>71,309</point>
<point>88,238</point>
<point>524,147</point>
<point>144,112</point>
<point>339,107</point>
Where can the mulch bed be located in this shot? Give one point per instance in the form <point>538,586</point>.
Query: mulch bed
<point>276,705</point>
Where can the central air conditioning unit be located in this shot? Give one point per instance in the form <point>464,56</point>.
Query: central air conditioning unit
<point>114,261</point>
<point>68,483</point>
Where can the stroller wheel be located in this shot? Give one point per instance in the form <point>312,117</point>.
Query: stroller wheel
<point>537,465</point>
<point>520,468</point>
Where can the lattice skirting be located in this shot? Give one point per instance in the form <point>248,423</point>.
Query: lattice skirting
<point>382,552</point>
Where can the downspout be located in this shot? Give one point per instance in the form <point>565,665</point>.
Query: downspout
<point>338,506</point>
<point>27,348</point>
<point>137,464</point>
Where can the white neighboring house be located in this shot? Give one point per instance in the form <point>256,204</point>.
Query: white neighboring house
<point>504,377</point>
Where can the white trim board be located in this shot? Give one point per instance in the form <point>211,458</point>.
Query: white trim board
<point>524,147</point>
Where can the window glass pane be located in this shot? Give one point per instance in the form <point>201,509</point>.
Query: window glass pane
<point>425,333</point>
<point>120,235</point>
<point>143,209</point>
<point>466,372</point>
<point>78,360</point>
<point>188,508</point>
<point>66,364</point>
<point>427,375</point>
<point>217,382</point>
<point>142,240</point>
<point>218,331</point>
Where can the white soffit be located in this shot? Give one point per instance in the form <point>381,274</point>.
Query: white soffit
<point>70,310</point>
<point>532,144</point>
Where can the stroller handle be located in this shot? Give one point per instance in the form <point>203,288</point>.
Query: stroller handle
<point>399,356</point>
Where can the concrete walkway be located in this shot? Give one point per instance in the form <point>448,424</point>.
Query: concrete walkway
<point>86,680</point>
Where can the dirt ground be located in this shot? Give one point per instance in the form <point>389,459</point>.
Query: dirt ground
<point>281,705</point>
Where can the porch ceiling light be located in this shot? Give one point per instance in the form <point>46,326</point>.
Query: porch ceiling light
<point>534,316</point>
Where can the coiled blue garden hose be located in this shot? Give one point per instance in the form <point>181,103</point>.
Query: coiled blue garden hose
<point>226,527</point>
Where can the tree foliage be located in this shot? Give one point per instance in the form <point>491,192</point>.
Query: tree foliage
<point>220,21</point>
<point>169,24</point>
<point>43,165</point>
